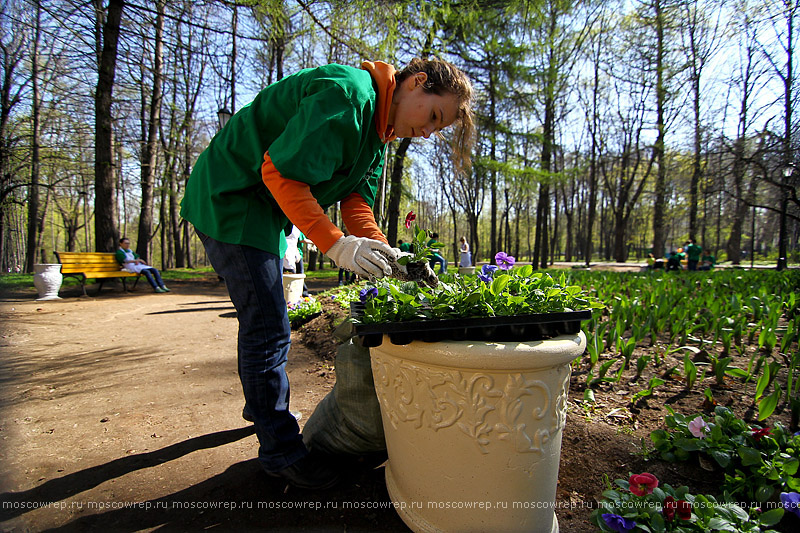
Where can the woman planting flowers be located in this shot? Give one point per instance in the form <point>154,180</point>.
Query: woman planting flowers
<point>306,142</point>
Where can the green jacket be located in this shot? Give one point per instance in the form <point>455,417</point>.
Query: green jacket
<point>319,128</point>
<point>693,252</point>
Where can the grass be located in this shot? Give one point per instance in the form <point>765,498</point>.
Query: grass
<point>12,281</point>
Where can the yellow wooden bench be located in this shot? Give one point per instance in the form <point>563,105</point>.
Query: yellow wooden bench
<point>93,265</point>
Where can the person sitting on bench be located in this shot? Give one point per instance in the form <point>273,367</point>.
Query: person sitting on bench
<point>130,261</point>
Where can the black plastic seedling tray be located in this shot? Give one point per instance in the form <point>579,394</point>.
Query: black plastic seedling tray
<point>517,328</point>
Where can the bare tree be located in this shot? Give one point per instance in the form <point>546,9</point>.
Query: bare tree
<point>150,142</point>
<point>701,32</point>
<point>105,227</point>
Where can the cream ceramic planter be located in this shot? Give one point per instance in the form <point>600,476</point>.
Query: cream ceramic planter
<point>293,287</point>
<point>473,430</point>
<point>47,279</point>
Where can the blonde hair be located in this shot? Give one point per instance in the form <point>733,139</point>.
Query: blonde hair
<point>444,77</point>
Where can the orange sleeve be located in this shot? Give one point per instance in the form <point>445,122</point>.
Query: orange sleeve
<point>358,218</point>
<point>297,203</point>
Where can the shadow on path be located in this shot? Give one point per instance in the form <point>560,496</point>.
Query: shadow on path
<point>64,487</point>
<point>244,498</point>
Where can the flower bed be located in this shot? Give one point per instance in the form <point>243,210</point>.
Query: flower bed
<point>303,310</point>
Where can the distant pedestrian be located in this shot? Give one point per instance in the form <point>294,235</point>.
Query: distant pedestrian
<point>708,261</point>
<point>693,252</point>
<point>674,261</point>
<point>435,256</point>
<point>466,257</point>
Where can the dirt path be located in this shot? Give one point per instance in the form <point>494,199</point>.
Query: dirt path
<point>122,412</point>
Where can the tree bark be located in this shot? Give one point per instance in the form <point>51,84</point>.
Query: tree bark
<point>660,204</point>
<point>106,234</point>
<point>150,148</point>
<point>33,196</point>
<point>396,190</point>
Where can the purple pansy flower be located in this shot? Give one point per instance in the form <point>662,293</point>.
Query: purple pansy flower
<point>366,294</point>
<point>486,273</point>
<point>504,261</point>
<point>618,523</point>
<point>791,502</point>
<point>488,270</point>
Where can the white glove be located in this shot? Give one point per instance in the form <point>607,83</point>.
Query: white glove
<point>422,272</point>
<point>362,256</point>
<point>397,255</point>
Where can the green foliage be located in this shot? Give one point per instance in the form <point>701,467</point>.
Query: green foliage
<point>421,249</point>
<point>664,508</point>
<point>758,463</point>
<point>303,310</point>
<point>518,291</point>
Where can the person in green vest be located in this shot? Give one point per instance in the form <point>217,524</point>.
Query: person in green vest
<point>435,256</point>
<point>304,143</point>
<point>707,261</point>
<point>130,261</point>
<point>404,246</point>
<point>693,252</point>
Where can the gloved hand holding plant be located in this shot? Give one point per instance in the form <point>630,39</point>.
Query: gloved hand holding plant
<point>415,265</point>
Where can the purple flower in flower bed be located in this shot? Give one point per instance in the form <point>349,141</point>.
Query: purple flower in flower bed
<point>366,294</point>
<point>504,261</point>
<point>791,502</point>
<point>486,273</point>
<point>618,523</point>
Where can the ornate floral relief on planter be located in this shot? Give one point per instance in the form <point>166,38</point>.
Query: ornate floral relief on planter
<point>484,406</point>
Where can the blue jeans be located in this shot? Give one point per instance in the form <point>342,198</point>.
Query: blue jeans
<point>150,273</point>
<point>436,258</point>
<point>255,284</point>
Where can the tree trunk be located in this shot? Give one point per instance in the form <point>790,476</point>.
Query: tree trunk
<point>660,204</point>
<point>396,190</point>
<point>33,196</point>
<point>734,245</point>
<point>105,226</point>
<point>150,148</point>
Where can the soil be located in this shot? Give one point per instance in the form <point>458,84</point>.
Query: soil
<point>121,412</point>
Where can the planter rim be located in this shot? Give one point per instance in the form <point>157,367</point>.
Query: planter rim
<point>493,355</point>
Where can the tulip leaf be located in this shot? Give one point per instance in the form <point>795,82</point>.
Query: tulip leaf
<point>768,404</point>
